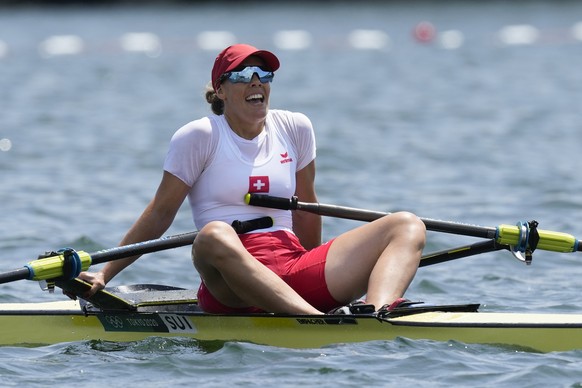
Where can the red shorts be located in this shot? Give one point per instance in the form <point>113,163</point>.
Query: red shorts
<point>281,252</point>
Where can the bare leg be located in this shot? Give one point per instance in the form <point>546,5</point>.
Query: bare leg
<point>379,258</point>
<point>237,279</point>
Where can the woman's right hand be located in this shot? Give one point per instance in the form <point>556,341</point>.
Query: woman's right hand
<point>97,281</point>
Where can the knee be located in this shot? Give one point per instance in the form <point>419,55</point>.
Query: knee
<point>411,226</point>
<point>211,239</point>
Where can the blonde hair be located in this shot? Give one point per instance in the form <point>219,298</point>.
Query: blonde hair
<point>216,104</point>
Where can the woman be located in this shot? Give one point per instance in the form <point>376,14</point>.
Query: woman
<point>245,147</point>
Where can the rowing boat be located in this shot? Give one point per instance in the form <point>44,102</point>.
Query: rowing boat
<point>137,312</point>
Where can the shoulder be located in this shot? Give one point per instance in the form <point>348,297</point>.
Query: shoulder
<point>196,137</point>
<point>202,133</point>
<point>294,121</point>
<point>194,130</point>
<point>191,148</point>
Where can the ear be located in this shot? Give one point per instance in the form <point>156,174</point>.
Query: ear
<point>220,93</point>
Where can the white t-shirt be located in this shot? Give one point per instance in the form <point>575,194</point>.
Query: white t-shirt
<point>221,167</point>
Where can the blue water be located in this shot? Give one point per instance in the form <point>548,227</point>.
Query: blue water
<point>478,131</point>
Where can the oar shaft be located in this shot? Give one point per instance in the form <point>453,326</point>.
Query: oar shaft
<point>17,274</point>
<point>142,248</point>
<point>366,215</point>
<point>461,252</point>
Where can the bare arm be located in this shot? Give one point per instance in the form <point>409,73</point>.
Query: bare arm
<point>153,222</point>
<point>307,226</point>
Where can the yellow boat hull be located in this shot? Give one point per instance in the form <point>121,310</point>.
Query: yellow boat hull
<point>32,324</point>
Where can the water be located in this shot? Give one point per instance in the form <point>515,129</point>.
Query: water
<point>486,133</point>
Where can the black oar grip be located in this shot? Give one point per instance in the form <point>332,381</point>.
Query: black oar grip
<point>242,227</point>
<point>264,200</point>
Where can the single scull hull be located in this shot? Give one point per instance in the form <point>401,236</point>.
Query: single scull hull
<point>55,322</point>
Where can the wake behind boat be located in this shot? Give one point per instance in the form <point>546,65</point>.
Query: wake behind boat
<point>137,312</point>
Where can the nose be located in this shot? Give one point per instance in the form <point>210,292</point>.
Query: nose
<point>255,79</point>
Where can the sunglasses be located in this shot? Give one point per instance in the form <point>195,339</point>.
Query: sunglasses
<point>246,75</point>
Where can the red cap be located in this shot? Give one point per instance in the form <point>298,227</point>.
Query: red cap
<point>231,57</point>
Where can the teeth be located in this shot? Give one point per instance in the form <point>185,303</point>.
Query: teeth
<point>255,97</point>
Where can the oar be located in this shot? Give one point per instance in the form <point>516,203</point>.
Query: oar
<point>460,252</point>
<point>523,237</point>
<point>69,263</point>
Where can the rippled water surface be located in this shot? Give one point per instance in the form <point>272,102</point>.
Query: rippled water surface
<point>468,128</point>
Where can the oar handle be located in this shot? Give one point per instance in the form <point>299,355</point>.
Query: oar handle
<point>264,200</point>
<point>511,235</point>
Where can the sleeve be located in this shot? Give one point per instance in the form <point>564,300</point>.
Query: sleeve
<point>190,151</point>
<point>304,138</point>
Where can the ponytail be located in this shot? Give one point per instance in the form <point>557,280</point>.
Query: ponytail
<point>216,104</point>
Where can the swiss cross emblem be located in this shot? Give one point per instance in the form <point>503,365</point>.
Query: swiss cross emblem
<point>258,184</point>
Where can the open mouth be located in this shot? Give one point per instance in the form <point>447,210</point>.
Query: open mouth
<point>256,98</point>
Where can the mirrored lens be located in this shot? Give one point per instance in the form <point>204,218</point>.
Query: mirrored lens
<point>246,75</point>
